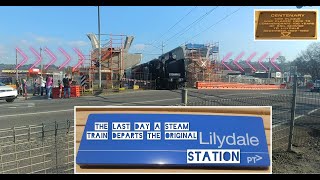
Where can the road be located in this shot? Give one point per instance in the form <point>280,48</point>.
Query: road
<point>280,100</point>
<point>38,110</point>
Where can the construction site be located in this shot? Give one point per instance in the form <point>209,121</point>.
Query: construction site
<point>114,60</point>
<point>69,75</point>
<point>201,66</point>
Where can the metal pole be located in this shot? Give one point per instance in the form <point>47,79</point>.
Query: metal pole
<point>162,47</point>
<point>17,65</point>
<point>92,75</point>
<point>269,73</point>
<point>99,47</point>
<point>184,96</point>
<point>121,73</point>
<point>293,110</point>
<point>56,143</point>
<point>40,62</point>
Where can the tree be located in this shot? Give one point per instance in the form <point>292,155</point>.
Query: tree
<point>308,62</point>
<point>282,63</point>
<point>281,59</point>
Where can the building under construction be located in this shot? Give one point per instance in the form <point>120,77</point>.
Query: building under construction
<point>115,58</point>
<point>200,61</point>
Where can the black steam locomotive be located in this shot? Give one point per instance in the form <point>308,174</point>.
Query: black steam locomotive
<point>164,74</point>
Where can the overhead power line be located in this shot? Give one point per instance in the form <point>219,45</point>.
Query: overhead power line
<point>187,28</point>
<point>228,15</point>
<point>152,43</point>
<point>175,24</point>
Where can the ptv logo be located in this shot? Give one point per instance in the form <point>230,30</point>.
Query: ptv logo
<point>253,159</point>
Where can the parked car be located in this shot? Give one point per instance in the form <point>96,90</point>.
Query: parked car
<point>316,86</point>
<point>7,93</point>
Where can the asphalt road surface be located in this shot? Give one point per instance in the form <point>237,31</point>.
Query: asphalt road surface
<point>38,110</point>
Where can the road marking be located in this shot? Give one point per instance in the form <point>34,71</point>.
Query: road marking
<point>66,110</point>
<point>296,118</point>
<point>307,98</point>
<point>226,95</point>
<point>310,112</point>
<point>36,113</point>
<point>19,105</point>
<point>243,94</point>
<point>118,94</point>
<point>141,102</point>
<point>281,112</point>
<point>270,93</point>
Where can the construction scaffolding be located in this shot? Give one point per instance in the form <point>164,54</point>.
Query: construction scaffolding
<point>202,61</point>
<point>112,65</point>
<point>112,69</point>
<point>115,58</point>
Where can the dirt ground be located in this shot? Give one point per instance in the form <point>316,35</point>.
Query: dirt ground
<point>305,157</point>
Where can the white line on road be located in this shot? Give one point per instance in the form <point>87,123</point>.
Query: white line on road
<point>227,95</point>
<point>141,102</point>
<point>15,105</point>
<point>310,112</point>
<point>307,98</point>
<point>119,94</point>
<point>241,94</point>
<point>296,118</point>
<point>270,93</point>
<point>36,113</point>
<point>66,110</point>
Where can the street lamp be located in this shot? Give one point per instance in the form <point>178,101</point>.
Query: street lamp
<point>40,62</point>
<point>99,47</point>
<point>17,64</point>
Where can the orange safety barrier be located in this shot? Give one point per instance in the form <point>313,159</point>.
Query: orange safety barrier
<point>74,92</point>
<point>222,85</point>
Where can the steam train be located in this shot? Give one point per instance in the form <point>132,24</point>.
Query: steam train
<point>163,73</point>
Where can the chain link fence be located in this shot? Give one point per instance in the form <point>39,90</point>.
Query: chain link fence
<point>43,148</point>
<point>281,111</point>
<point>295,113</point>
<point>307,119</point>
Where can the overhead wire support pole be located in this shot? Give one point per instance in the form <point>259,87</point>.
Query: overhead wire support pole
<point>41,68</point>
<point>17,65</point>
<point>162,46</point>
<point>99,58</point>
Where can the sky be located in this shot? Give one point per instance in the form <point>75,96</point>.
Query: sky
<point>66,27</point>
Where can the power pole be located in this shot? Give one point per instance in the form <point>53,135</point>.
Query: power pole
<point>162,46</point>
<point>99,47</point>
<point>16,64</point>
<point>40,62</point>
<point>269,72</point>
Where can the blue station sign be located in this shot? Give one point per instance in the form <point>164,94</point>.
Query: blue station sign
<point>173,140</point>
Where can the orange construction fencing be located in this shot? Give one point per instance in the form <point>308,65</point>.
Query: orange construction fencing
<point>74,92</point>
<point>223,85</point>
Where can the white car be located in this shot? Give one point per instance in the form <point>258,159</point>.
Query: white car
<point>7,93</point>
